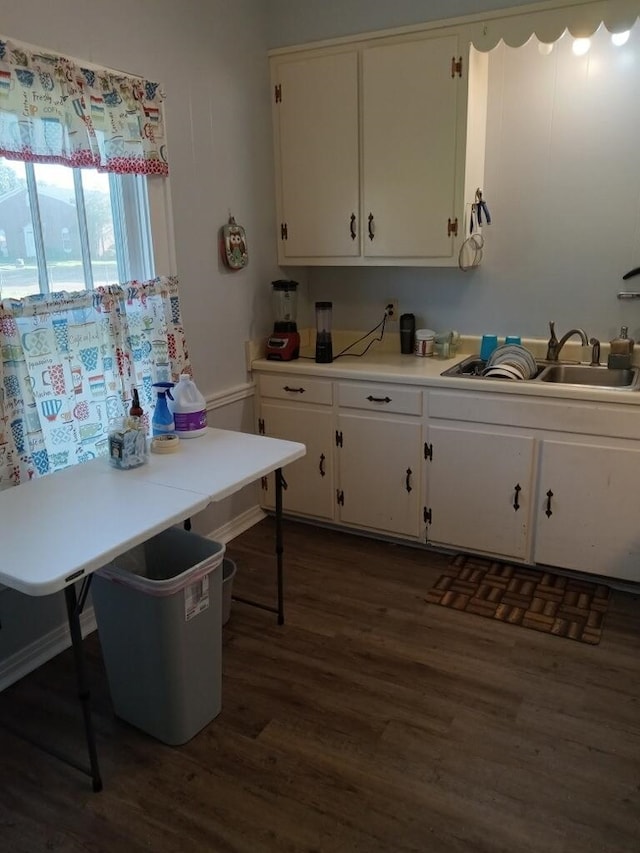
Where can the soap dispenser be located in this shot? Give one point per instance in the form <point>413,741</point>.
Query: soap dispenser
<point>162,422</point>
<point>621,350</point>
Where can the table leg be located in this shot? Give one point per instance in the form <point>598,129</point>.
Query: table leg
<point>279,546</point>
<point>73,615</point>
<point>280,484</point>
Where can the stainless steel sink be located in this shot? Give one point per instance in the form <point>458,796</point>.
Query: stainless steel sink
<point>591,375</point>
<point>472,367</point>
<point>579,375</point>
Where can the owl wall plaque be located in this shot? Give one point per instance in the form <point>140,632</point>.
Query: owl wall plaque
<point>233,245</point>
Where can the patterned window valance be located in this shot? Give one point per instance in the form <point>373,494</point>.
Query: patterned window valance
<point>54,110</point>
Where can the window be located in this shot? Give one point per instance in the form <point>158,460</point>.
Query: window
<point>71,229</point>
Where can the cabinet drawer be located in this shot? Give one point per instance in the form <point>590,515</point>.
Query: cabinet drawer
<point>380,398</point>
<point>615,420</point>
<point>303,388</point>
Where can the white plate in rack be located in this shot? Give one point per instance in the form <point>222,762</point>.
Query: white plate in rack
<point>515,354</point>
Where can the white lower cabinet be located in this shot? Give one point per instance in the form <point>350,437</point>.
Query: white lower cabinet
<point>588,507</point>
<point>379,456</point>
<point>380,473</point>
<point>550,482</point>
<point>480,483</point>
<point>364,461</point>
<point>310,486</point>
<point>575,492</point>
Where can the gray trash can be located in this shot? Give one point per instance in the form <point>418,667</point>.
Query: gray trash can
<point>228,574</point>
<point>159,612</point>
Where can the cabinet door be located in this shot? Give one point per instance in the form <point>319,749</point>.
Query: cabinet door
<point>479,490</point>
<point>410,109</point>
<point>310,484</point>
<point>380,473</point>
<point>588,509</point>
<point>316,129</point>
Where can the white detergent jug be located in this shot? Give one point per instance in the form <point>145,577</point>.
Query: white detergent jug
<point>188,408</point>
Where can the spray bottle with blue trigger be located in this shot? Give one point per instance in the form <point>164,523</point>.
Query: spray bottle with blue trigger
<point>162,422</point>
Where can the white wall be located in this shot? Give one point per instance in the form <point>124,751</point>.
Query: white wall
<point>561,181</point>
<point>299,21</point>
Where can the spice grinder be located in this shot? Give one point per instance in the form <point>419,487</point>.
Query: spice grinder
<point>324,344</point>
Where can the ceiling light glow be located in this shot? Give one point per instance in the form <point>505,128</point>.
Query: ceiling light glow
<point>620,38</point>
<point>581,46</point>
<point>545,48</point>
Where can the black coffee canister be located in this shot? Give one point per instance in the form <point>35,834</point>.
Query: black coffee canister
<point>407,332</point>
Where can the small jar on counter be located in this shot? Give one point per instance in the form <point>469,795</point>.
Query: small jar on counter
<point>424,341</point>
<point>127,442</point>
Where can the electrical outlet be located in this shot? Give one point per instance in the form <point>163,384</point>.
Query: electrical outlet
<point>391,310</point>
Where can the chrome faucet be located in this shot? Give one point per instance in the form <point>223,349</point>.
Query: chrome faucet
<point>554,345</point>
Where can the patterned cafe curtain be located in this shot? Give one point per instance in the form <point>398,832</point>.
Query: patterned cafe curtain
<point>54,110</point>
<point>69,363</point>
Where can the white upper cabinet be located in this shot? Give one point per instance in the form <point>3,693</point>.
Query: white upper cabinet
<point>409,120</point>
<point>316,122</point>
<point>379,150</point>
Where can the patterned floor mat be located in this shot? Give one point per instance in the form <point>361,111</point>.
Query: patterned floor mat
<point>532,598</point>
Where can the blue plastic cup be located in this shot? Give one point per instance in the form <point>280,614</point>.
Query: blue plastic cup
<point>489,343</point>
<point>513,339</point>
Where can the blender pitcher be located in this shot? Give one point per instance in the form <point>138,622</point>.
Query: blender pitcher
<point>324,345</point>
<point>284,343</point>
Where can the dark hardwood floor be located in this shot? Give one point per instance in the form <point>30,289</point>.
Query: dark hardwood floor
<point>370,722</point>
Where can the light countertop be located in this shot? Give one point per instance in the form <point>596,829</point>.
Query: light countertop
<point>384,363</point>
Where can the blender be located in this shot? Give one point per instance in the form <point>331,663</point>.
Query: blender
<point>284,343</point>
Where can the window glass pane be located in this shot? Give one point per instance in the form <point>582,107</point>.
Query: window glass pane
<point>71,229</point>
<point>100,227</point>
<point>18,264</point>
<point>56,199</point>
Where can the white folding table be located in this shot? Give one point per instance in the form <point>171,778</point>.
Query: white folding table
<point>59,529</point>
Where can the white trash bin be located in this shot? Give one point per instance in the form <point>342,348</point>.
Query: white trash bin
<point>159,614</point>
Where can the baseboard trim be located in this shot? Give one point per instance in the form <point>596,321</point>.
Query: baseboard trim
<point>237,525</point>
<point>30,657</point>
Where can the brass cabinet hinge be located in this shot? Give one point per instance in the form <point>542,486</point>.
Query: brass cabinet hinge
<point>284,231</point>
<point>428,451</point>
<point>340,497</point>
<point>277,92</point>
<point>426,515</point>
<point>452,227</point>
<point>456,66</point>
<point>338,439</point>
<point>260,426</point>
<point>264,484</point>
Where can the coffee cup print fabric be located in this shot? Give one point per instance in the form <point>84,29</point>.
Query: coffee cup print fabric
<point>51,408</point>
<point>17,431</point>
<point>53,377</point>
<point>89,358</point>
<point>61,334</point>
<point>37,342</point>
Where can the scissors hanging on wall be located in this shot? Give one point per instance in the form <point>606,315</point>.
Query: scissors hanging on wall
<point>478,210</point>
<point>470,254</point>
